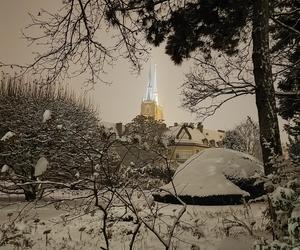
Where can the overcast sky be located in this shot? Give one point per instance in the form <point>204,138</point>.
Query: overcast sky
<point>121,100</point>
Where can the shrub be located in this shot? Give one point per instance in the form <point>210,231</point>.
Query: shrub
<point>49,122</point>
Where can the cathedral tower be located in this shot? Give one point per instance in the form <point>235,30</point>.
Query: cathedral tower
<point>150,106</point>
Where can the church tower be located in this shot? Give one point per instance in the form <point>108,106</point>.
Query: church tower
<point>150,106</point>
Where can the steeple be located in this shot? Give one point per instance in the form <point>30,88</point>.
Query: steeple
<point>155,94</point>
<point>150,106</point>
<point>151,92</point>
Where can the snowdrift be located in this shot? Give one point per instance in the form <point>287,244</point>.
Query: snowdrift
<point>214,176</point>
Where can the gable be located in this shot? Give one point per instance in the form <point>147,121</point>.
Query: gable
<point>183,133</point>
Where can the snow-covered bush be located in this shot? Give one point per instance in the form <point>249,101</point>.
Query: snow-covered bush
<point>284,206</point>
<point>45,122</point>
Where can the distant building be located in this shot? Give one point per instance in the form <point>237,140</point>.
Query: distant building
<point>184,139</point>
<point>150,106</point>
<point>189,140</point>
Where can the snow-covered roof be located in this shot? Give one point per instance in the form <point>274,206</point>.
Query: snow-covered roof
<point>215,135</point>
<point>196,136</point>
<point>204,174</point>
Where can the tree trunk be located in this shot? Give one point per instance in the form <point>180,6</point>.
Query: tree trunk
<point>30,195</point>
<point>265,94</point>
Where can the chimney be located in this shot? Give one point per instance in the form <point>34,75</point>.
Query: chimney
<point>200,126</point>
<point>119,128</point>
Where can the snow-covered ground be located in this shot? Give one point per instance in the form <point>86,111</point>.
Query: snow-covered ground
<point>75,225</point>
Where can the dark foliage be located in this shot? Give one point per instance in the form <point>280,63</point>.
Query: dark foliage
<point>294,140</point>
<point>288,41</point>
<point>249,185</point>
<point>203,25</point>
<point>196,200</point>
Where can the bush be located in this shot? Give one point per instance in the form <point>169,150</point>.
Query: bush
<point>49,122</point>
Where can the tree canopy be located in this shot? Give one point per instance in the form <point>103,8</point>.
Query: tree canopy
<point>286,35</point>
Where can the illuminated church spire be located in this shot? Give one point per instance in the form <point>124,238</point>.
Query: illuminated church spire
<point>151,92</point>
<point>150,106</point>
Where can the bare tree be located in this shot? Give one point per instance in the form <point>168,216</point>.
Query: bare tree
<point>217,80</point>
<point>78,39</point>
<point>245,138</point>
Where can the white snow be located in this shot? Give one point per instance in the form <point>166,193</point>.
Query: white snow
<point>47,115</point>
<point>165,142</point>
<point>66,225</point>
<point>41,166</point>
<point>282,195</point>
<point>294,221</point>
<point>22,227</point>
<point>296,212</point>
<point>97,167</point>
<point>77,175</point>
<point>204,173</point>
<point>7,136</point>
<point>95,174</point>
<point>5,168</point>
